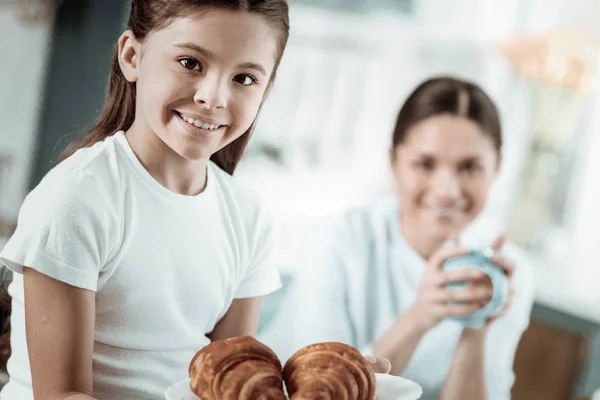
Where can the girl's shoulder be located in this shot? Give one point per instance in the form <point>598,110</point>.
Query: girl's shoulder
<point>82,184</point>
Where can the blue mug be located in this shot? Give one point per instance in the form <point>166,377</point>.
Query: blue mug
<point>480,259</point>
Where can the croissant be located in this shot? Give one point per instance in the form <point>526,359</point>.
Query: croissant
<point>240,368</point>
<point>329,371</point>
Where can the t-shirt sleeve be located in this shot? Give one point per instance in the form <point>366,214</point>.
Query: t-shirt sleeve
<point>64,230</point>
<point>262,274</point>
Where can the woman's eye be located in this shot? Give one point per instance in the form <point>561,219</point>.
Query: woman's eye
<point>244,79</point>
<point>191,64</point>
<point>424,165</point>
<point>471,168</point>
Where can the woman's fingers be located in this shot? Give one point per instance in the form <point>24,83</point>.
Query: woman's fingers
<point>507,266</point>
<point>502,311</point>
<point>458,309</point>
<point>379,365</point>
<point>498,243</point>
<point>467,295</point>
<point>511,290</point>
<point>458,275</point>
<point>445,253</point>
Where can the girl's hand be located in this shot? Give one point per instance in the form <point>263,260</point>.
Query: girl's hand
<point>434,301</point>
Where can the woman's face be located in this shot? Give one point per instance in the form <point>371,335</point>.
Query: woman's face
<point>443,172</point>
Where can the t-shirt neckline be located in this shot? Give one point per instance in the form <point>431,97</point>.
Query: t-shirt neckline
<point>152,183</point>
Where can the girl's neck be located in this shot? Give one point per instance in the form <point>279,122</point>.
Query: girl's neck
<point>423,243</point>
<point>166,166</point>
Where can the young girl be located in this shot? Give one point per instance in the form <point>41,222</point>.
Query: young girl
<point>139,248</point>
<point>373,278</point>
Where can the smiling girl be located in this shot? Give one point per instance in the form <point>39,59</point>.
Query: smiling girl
<point>139,248</point>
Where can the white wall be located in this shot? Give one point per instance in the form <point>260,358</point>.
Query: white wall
<point>340,86</point>
<point>23,55</point>
<point>577,250</point>
<point>583,16</point>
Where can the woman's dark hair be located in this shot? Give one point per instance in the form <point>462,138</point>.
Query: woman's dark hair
<point>448,95</point>
<point>148,16</point>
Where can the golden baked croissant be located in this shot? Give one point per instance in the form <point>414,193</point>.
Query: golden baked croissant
<point>239,368</point>
<point>329,371</point>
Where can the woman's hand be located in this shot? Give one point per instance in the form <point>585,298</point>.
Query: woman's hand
<point>508,267</point>
<point>379,365</point>
<point>435,301</point>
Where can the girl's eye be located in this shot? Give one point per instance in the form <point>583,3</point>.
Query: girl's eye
<point>191,64</point>
<point>244,79</point>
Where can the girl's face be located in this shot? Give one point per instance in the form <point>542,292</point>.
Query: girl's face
<point>443,172</point>
<point>201,80</point>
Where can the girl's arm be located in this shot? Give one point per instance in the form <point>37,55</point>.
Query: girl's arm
<point>240,320</point>
<point>60,322</point>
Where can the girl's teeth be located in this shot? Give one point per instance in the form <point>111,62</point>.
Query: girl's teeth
<point>199,124</point>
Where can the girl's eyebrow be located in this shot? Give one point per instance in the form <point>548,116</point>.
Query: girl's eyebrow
<point>191,46</point>
<point>209,55</point>
<point>254,66</point>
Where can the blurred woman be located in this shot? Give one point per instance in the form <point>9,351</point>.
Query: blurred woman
<point>372,278</point>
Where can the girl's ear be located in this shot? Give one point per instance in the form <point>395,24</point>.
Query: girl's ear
<point>129,55</point>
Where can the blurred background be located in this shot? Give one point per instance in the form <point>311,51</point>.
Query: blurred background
<point>321,143</point>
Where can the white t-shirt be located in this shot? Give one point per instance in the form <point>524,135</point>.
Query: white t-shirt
<point>165,267</point>
<point>358,275</point>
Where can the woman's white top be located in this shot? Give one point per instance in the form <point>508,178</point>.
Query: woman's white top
<point>165,267</point>
<point>358,274</point>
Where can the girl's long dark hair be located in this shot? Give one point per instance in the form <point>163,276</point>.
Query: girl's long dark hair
<point>147,16</point>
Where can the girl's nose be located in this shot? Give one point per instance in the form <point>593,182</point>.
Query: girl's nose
<point>211,92</point>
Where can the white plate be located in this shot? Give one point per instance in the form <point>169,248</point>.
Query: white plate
<point>181,391</point>
<point>388,388</point>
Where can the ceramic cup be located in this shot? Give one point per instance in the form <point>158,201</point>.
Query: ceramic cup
<point>480,259</point>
